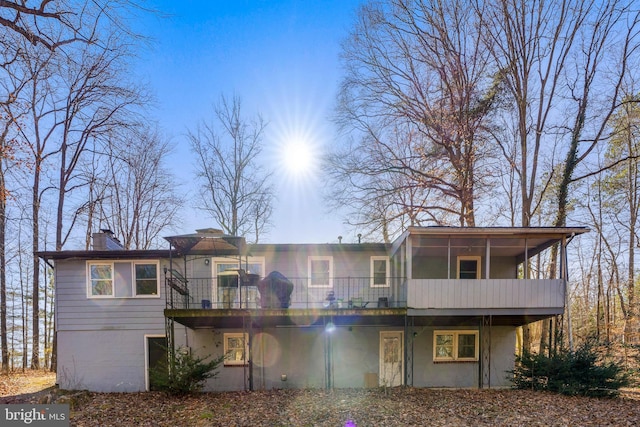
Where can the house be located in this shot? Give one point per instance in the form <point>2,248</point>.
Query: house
<point>438,307</point>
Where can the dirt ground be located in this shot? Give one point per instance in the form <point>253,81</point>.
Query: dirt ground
<point>351,407</point>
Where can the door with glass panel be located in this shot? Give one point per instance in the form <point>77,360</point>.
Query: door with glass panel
<point>391,358</point>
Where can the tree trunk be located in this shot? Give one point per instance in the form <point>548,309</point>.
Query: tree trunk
<point>3,274</point>
<point>35,290</point>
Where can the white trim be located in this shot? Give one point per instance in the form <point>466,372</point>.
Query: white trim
<point>372,270</point>
<point>146,357</point>
<point>313,258</point>
<point>89,282</point>
<point>232,362</point>
<point>215,261</point>
<point>454,350</point>
<point>134,279</point>
<point>475,258</point>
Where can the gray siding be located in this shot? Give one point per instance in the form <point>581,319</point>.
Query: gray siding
<point>485,294</point>
<point>427,373</point>
<point>101,341</point>
<point>294,264</point>
<point>298,353</point>
<point>108,361</point>
<point>75,311</point>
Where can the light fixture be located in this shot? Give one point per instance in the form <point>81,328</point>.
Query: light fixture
<point>330,327</point>
<point>206,261</point>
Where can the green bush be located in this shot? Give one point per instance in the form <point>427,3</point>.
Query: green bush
<point>183,373</point>
<point>577,373</point>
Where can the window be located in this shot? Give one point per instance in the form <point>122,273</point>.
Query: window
<point>254,265</point>
<point>455,346</point>
<point>236,349</point>
<point>100,279</point>
<point>123,279</point>
<point>469,267</point>
<point>379,271</point>
<point>146,279</point>
<point>320,271</point>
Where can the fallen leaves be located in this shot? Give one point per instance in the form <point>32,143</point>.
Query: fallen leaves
<point>29,381</point>
<point>362,407</point>
<point>397,407</point>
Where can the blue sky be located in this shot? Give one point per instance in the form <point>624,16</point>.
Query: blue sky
<point>282,59</point>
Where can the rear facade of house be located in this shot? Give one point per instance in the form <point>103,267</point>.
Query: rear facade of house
<point>439,307</point>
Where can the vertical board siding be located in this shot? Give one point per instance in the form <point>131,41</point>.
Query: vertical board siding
<point>485,293</point>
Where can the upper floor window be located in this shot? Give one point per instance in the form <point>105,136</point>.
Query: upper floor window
<point>379,271</point>
<point>455,346</point>
<point>469,267</point>
<point>320,271</point>
<point>146,278</point>
<point>100,279</point>
<point>123,279</point>
<point>252,265</point>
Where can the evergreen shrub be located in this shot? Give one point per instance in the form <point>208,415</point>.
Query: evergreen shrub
<point>183,372</point>
<point>577,373</point>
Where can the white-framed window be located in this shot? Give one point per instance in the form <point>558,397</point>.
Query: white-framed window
<point>320,271</point>
<point>236,348</point>
<point>252,265</point>
<point>469,267</point>
<point>379,271</point>
<point>146,283</point>
<point>100,280</point>
<point>455,346</point>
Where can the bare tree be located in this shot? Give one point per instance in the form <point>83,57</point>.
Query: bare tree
<point>555,57</point>
<point>135,196</point>
<point>418,92</point>
<point>56,23</point>
<point>235,190</point>
<point>531,42</point>
<point>96,99</point>
<point>622,187</point>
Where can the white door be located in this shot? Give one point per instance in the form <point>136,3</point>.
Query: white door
<point>391,358</point>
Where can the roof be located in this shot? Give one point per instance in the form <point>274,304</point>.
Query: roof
<point>207,242</point>
<point>499,231</point>
<point>504,241</point>
<point>107,254</point>
<point>318,247</point>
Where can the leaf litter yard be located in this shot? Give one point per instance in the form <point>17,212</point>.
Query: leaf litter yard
<point>373,407</point>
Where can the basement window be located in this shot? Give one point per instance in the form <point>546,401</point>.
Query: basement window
<point>236,349</point>
<point>455,346</point>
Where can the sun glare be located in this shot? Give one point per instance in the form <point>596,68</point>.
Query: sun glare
<point>297,157</point>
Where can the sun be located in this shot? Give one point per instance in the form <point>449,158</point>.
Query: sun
<point>297,157</point>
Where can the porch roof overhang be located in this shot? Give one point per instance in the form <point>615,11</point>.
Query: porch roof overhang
<point>519,242</point>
